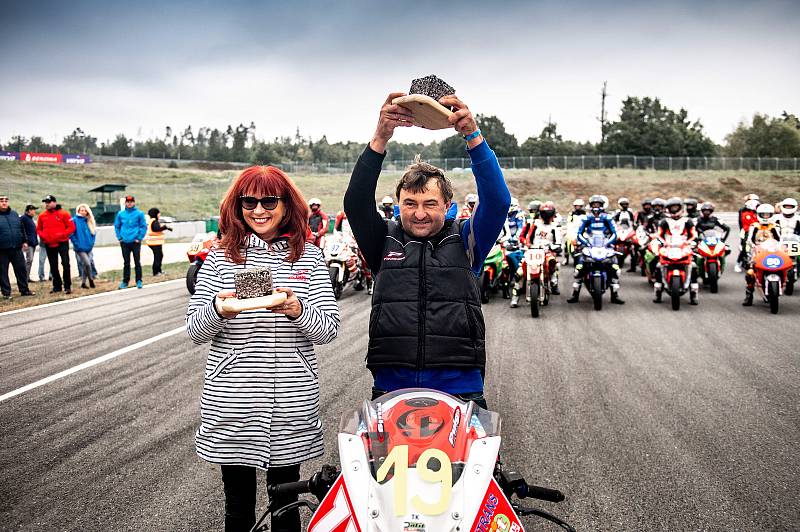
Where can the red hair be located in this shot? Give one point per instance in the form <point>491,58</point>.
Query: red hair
<point>260,181</point>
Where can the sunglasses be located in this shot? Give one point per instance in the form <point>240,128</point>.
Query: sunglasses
<point>3,199</point>
<point>268,202</point>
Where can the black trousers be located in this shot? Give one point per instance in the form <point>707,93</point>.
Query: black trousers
<point>14,257</point>
<point>129,248</point>
<point>240,497</point>
<point>62,250</point>
<point>158,256</point>
<point>477,397</point>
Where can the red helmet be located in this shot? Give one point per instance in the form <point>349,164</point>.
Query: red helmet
<point>547,211</point>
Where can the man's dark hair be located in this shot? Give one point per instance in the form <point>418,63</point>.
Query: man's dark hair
<point>417,176</point>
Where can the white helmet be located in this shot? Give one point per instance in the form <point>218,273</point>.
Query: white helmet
<point>314,201</point>
<point>514,205</point>
<point>751,204</point>
<point>471,198</point>
<point>387,200</point>
<point>578,202</point>
<point>765,212</point>
<point>789,207</point>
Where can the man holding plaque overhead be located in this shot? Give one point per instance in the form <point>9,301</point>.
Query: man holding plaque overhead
<point>426,329</point>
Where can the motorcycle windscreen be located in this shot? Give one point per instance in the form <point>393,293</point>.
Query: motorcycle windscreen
<point>419,419</point>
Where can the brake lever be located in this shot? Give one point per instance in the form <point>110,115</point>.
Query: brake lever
<point>293,505</point>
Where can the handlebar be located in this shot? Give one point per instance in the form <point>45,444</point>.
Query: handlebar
<point>319,484</point>
<point>541,493</point>
<point>288,488</point>
<point>512,482</point>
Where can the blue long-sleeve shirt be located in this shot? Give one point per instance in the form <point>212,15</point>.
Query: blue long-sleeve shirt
<point>370,231</point>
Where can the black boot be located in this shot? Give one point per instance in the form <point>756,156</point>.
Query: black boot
<point>693,298</point>
<point>615,299</point>
<point>748,299</point>
<point>574,298</point>
<point>554,289</point>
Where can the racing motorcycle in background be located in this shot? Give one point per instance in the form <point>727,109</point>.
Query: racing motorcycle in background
<point>791,245</point>
<point>537,267</point>
<point>710,258</point>
<point>598,258</point>
<point>675,262</point>
<point>345,263</point>
<point>642,242</point>
<point>417,460</point>
<point>626,239</point>
<point>495,275</point>
<point>198,250</point>
<point>771,266</point>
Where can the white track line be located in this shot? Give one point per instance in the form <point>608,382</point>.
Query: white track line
<point>84,298</point>
<point>91,363</point>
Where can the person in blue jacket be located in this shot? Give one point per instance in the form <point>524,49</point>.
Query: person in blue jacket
<point>83,241</point>
<point>130,227</point>
<point>596,221</point>
<point>426,328</point>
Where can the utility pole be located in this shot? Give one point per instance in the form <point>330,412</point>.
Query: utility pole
<point>603,114</point>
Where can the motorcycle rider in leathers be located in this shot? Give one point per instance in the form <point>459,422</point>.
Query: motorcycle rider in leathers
<point>691,208</point>
<point>596,221</point>
<point>677,224</point>
<point>707,221</point>
<point>747,216</point>
<point>317,221</point>
<point>788,219</point>
<point>625,216</point>
<point>512,231</point>
<point>573,218</point>
<point>762,229</point>
<point>544,228</point>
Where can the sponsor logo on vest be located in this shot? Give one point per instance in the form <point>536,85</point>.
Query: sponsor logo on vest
<point>395,255</point>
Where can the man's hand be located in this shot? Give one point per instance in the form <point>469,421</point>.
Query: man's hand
<point>24,246</point>
<point>461,119</point>
<point>391,116</point>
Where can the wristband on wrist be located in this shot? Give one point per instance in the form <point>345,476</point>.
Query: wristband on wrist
<point>472,135</point>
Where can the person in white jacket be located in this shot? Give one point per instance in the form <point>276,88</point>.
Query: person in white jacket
<point>260,401</point>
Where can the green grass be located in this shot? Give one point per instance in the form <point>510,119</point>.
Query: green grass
<point>190,193</point>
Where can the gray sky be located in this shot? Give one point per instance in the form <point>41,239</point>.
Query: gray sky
<point>326,67</point>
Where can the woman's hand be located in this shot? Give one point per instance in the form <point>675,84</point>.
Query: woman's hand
<point>224,294</point>
<point>291,308</point>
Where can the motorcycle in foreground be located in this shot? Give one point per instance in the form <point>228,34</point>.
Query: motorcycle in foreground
<point>198,250</point>
<point>418,460</point>
<point>598,259</point>
<point>710,258</point>
<point>791,244</point>
<point>771,266</point>
<point>538,266</point>
<point>675,263</point>
<point>344,263</point>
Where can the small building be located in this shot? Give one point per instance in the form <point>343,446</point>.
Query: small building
<point>107,203</point>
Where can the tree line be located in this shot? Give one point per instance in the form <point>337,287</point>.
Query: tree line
<point>645,127</point>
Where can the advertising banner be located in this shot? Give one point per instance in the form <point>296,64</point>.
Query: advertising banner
<point>71,158</point>
<point>9,156</point>
<point>30,157</point>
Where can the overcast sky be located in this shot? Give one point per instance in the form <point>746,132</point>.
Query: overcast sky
<point>325,67</point>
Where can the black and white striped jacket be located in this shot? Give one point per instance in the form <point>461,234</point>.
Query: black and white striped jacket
<point>260,401</point>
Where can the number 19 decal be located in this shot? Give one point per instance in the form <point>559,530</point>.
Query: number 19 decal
<point>398,458</point>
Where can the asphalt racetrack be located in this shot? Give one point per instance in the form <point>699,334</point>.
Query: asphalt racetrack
<point>646,418</point>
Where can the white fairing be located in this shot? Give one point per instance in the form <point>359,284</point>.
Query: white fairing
<point>374,503</point>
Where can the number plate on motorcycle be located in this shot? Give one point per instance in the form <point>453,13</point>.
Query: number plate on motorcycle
<point>791,247</point>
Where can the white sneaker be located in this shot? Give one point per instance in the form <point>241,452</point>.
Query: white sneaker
<point>737,268</point>
<point>514,301</point>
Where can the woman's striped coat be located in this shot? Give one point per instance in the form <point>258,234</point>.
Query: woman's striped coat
<point>260,401</point>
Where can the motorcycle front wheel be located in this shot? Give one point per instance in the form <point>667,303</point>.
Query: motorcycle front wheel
<point>773,293</point>
<point>713,278</point>
<point>191,276</point>
<point>675,291</point>
<point>337,286</point>
<point>533,288</point>
<point>790,280</point>
<point>597,292</point>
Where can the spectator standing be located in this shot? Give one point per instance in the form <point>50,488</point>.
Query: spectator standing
<point>54,228</point>
<point>130,228</point>
<point>30,238</point>
<point>12,244</point>
<point>83,242</point>
<point>155,239</point>
<point>260,400</point>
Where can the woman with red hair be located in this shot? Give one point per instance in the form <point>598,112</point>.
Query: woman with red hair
<point>260,402</point>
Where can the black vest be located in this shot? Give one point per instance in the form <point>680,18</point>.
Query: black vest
<point>426,309</point>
